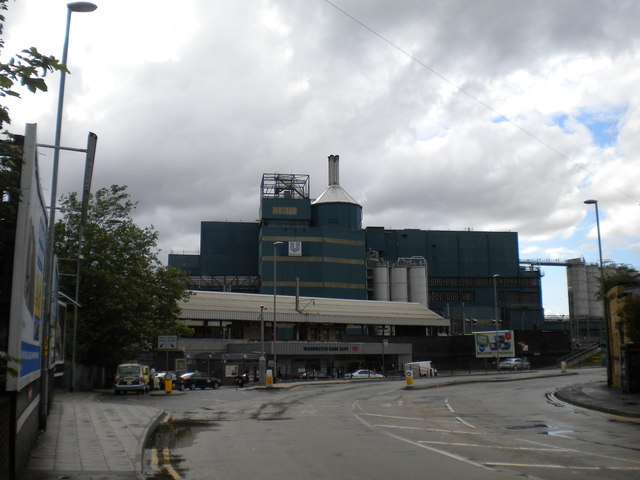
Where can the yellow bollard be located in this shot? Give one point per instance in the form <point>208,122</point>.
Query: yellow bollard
<point>409,378</point>
<point>269,377</point>
<point>168,383</point>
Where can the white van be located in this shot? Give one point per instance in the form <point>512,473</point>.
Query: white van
<point>421,369</point>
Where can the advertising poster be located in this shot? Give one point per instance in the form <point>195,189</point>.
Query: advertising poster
<point>25,327</point>
<point>486,344</point>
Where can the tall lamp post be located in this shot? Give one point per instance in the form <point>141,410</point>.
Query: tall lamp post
<point>262,361</point>
<point>275,283</point>
<point>495,314</point>
<point>604,293</point>
<point>80,7</point>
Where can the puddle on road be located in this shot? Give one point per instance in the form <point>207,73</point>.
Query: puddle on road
<point>162,451</point>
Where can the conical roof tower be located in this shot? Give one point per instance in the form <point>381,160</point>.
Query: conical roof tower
<point>335,207</point>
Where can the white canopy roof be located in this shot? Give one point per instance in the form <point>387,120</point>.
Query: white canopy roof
<point>246,306</point>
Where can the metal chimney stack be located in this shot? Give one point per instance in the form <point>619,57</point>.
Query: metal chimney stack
<point>334,170</point>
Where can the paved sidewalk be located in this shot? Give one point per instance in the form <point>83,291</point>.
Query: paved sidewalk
<point>89,439</point>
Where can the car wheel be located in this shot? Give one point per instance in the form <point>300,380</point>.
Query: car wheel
<point>192,386</point>
<point>215,385</point>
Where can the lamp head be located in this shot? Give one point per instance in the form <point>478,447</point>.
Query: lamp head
<point>591,202</point>
<point>81,7</point>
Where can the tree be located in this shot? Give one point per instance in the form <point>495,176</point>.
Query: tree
<point>127,297</point>
<point>630,316</point>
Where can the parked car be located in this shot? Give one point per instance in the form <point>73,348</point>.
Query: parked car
<point>130,378</point>
<point>313,375</point>
<point>201,380</point>
<point>514,364</point>
<point>364,374</point>
<point>178,382</point>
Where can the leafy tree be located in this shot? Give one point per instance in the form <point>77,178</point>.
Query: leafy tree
<point>620,275</point>
<point>127,297</point>
<point>630,315</point>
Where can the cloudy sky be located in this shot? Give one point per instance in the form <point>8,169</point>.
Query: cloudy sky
<point>501,115</point>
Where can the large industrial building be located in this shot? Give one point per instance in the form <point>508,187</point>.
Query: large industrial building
<point>318,249</point>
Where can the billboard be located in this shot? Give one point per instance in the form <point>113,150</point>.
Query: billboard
<point>25,323</point>
<point>486,344</point>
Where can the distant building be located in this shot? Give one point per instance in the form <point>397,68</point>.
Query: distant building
<point>320,249</point>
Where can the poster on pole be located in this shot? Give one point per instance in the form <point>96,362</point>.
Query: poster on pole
<point>25,317</point>
<point>486,344</point>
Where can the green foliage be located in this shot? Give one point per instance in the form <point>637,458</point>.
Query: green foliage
<point>127,297</point>
<point>621,275</point>
<point>630,315</point>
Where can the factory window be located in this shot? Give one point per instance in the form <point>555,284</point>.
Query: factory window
<point>284,210</point>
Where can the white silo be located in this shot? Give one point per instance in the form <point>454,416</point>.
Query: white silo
<point>381,282</point>
<point>418,284</point>
<point>399,287</point>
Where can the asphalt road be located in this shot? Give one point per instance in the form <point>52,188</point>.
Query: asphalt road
<point>380,430</point>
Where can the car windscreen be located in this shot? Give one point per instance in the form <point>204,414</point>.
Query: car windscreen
<point>129,370</point>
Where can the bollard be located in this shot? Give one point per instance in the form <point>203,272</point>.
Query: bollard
<point>168,383</point>
<point>563,367</point>
<point>409,378</point>
<point>269,377</point>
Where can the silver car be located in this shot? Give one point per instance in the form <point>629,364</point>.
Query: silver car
<point>515,364</point>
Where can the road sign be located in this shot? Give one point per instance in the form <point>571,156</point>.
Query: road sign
<point>167,342</point>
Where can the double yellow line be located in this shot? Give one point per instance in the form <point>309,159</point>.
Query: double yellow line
<point>161,461</point>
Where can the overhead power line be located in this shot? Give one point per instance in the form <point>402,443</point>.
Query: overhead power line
<point>475,99</point>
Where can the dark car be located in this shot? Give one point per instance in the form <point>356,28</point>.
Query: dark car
<point>201,380</point>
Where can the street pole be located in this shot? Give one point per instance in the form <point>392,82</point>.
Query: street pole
<point>604,297</point>
<point>50,244</point>
<point>262,361</point>
<point>495,302</point>
<point>275,327</point>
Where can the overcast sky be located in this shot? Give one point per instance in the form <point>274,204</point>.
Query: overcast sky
<point>497,115</point>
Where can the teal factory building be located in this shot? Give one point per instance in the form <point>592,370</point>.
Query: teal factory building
<point>318,248</point>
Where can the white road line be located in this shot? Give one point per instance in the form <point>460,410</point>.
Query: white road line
<point>465,423</point>
<point>492,447</point>
<point>425,429</point>
<point>561,467</point>
<point>392,416</point>
<point>426,447</point>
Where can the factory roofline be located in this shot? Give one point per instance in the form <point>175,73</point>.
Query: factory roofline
<point>246,307</point>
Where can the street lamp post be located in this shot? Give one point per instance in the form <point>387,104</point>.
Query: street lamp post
<point>262,361</point>
<point>495,313</point>
<point>604,293</point>
<point>48,278</point>
<point>275,283</point>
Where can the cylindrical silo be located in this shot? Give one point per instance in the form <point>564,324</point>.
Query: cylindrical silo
<point>399,287</point>
<point>418,284</point>
<point>381,282</point>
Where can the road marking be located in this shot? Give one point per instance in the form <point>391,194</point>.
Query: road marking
<point>465,423</point>
<point>561,467</point>
<point>426,447</point>
<point>166,464</point>
<point>392,416</point>
<point>446,402</point>
<point>492,447</point>
<point>425,429</point>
